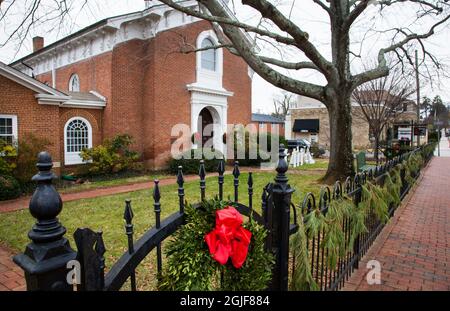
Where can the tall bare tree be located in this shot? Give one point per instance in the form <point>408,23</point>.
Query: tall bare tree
<point>283,103</point>
<point>19,18</point>
<point>276,27</point>
<point>382,101</point>
<point>340,81</point>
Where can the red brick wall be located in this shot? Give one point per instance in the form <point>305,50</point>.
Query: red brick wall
<point>145,86</point>
<point>41,120</point>
<point>168,73</point>
<point>236,79</point>
<point>94,74</point>
<point>125,112</point>
<point>171,100</point>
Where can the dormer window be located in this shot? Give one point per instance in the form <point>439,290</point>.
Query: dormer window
<point>209,58</point>
<point>74,83</point>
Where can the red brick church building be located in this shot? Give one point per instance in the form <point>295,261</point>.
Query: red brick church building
<point>125,74</point>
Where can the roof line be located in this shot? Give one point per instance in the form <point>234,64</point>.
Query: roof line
<point>28,81</point>
<point>77,33</point>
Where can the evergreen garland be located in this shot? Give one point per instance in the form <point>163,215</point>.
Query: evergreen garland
<point>191,267</point>
<point>376,199</point>
<point>302,279</point>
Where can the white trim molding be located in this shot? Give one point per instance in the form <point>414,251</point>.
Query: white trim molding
<point>210,78</point>
<point>15,132</point>
<point>103,36</point>
<point>27,81</point>
<point>74,83</point>
<point>73,158</point>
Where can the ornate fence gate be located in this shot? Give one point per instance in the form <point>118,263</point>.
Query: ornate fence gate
<point>48,260</point>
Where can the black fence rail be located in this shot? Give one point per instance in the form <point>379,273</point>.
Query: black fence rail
<point>333,278</point>
<point>48,259</point>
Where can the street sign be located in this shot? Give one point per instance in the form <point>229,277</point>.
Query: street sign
<point>438,123</point>
<point>404,133</point>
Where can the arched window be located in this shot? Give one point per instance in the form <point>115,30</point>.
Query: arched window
<point>74,83</point>
<point>77,136</point>
<point>208,56</point>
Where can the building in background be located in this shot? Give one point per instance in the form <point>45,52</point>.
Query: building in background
<point>126,75</point>
<point>268,123</point>
<point>308,119</point>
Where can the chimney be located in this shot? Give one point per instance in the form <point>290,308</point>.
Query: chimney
<point>38,43</point>
<point>148,3</point>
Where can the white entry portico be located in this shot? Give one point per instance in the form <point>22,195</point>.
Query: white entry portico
<point>207,91</point>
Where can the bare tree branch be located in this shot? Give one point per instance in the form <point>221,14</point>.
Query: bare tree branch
<point>382,68</point>
<point>228,21</point>
<point>269,11</point>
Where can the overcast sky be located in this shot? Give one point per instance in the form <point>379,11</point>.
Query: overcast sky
<point>305,13</point>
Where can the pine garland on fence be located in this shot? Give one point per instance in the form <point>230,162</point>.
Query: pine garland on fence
<point>302,278</point>
<point>375,198</point>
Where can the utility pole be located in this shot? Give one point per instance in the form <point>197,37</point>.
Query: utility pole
<point>438,132</point>
<point>418,97</point>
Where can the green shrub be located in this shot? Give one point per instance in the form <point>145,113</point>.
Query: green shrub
<point>8,157</point>
<point>316,150</point>
<point>190,161</point>
<point>9,188</point>
<point>433,136</point>
<point>261,155</point>
<point>28,149</point>
<point>112,156</point>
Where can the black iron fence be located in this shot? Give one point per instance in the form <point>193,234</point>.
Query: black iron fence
<point>49,259</point>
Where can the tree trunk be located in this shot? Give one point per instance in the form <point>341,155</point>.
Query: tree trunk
<point>377,148</point>
<point>341,162</point>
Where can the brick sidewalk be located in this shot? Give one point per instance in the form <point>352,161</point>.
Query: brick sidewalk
<point>11,276</point>
<point>413,248</point>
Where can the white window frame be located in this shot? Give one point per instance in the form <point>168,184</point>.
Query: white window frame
<point>212,51</point>
<point>206,77</point>
<point>14,126</point>
<point>73,158</point>
<point>71,80</point>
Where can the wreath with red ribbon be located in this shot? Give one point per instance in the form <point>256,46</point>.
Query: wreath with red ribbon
<point>229,239</point>
<point>217,250</point>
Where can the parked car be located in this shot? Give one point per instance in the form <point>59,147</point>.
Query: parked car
<point>294,143</point>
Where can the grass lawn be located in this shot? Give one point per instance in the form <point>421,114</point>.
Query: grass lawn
<point>106,214</point>
<point>321,164</point>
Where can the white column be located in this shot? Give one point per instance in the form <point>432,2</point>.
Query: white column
<point>288,126</point>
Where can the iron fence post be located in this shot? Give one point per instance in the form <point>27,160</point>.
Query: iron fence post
<point>282,193</point>
<point>45,258</point>
<point>356,244</point>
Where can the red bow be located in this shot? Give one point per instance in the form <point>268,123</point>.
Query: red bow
<point>229,238</point>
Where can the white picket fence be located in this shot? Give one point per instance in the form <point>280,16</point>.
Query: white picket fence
<point>299,156</point>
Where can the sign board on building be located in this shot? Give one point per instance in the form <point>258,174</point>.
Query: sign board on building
<point>420,130</point>
<point>404,133</point>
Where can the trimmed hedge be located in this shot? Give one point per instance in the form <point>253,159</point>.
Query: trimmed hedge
<point>9,188</point>
<point>190,161</point>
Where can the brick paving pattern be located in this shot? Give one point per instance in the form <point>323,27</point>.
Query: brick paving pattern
<point>414,248</point>
<point>11,276</point>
